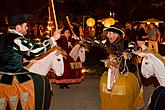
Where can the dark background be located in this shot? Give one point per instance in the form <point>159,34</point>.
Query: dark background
<point>125,10</point>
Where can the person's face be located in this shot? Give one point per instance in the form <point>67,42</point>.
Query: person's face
<point>112,36</point>
<point>128,26</point>
<point>143,25</point>
<point>24,28</point>
<point>151,26</point>
<point>67,33</point>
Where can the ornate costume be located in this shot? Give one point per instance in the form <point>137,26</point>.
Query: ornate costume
<point>63,43</point>
<point>72,68</point>
<point>117,47</point>
<point>18,86</point>
<point>14,47</point>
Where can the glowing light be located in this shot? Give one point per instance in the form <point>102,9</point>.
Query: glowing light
<point>90,22</point>
<point>156,23</point>
<point>148,23</point>
<point>49,28</point>
<point>83,70</point>
<point>108,22</point>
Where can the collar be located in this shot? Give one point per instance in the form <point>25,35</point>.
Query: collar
<point>15,32</point>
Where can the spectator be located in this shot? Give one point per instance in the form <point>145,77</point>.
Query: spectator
<point>153,37</point>
<point>142,32</point>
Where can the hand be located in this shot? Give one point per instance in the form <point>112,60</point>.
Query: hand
<point>70,45</point>
<point>75,37</point>
<point>56,35</point>
<point>25,60</point>
<point>126,56</point>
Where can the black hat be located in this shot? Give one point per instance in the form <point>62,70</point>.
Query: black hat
<point>19,19</point>
<point>66,28</point>
<point>115,30</point>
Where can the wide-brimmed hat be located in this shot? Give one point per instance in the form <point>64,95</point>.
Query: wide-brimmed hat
<point>115,30</point>
<point>19,19</point>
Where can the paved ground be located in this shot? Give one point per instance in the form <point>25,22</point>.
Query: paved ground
<point>147,93</point>
<point>84,96</point>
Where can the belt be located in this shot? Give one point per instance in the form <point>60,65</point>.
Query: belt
<point>7,78</point>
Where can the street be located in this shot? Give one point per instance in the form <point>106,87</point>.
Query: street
<point>84,96</point>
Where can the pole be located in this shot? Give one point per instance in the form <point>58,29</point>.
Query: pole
<point>71,28</point>
<point>54,14</point>
<point>49,14</point>
<point>84,21</point>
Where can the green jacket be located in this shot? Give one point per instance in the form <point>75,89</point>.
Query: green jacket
<point>14,47</point>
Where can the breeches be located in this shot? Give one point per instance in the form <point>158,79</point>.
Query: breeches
<point>153,45</point>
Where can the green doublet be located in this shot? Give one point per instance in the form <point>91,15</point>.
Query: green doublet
<point>10,60</point>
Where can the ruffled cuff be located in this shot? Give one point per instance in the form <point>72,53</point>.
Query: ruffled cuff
<point>52,41</point>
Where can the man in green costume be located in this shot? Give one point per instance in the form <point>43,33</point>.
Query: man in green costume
<point>15,46</point>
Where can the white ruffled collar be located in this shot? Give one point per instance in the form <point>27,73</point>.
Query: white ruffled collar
<point>15,32</point>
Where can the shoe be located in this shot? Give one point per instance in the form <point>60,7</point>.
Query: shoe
<point>61,86</point>
<point>67,87</point>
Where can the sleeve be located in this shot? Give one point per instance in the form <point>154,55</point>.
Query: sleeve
<point>158,32</point>
<point>27,48</point>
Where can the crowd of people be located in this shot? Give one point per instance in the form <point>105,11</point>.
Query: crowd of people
<point>142,32</point>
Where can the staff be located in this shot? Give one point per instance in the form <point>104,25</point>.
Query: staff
<point>71,27</point>
<point>54,14</point>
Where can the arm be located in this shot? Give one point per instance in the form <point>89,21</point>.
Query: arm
<point>27,48</point>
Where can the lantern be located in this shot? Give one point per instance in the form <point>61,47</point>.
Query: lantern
<point>156,23</point>
<point>90,22</point>
<point>148,23</point>
<point>108,22</point>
